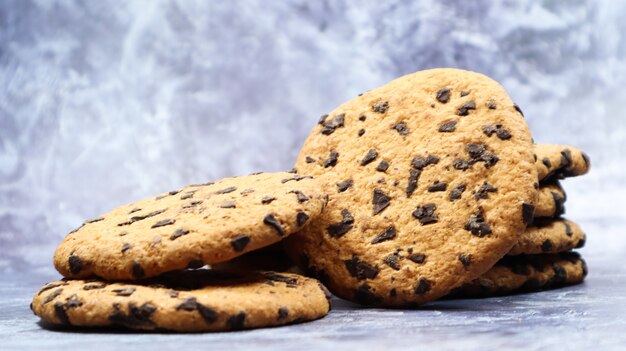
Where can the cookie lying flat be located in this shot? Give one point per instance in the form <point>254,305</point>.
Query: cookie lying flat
<point>190,301</point>
<point>550,200</point>
<point>560,161</point>
<point>197,225</point>
<point>526,273</point>
<point>549,236</point>
<point>430,182</point>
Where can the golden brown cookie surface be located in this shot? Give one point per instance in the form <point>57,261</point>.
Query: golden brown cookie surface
<point>549,236</point>
<point>526,273</point>
<point>430,181</point>
<point>190,301</point>
<point>199,224</point>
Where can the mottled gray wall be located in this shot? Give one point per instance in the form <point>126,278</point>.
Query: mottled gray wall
<point>104,102</point>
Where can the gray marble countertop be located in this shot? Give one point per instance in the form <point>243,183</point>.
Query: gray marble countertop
<point>583,317</point>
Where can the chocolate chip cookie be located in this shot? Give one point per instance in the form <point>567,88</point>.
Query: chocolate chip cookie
<point>560,161</point>
<point>190,301</point>
<point>430,182</point>
<point>549,236</point>
<point>197,225</point>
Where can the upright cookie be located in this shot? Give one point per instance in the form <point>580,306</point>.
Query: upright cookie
<point>190,301</point>
<point>526,273</point>
<point>560,161</point>
<point>190,227</point>
<point>550,200</point>
<point>549,236</point>
<point>430,182</point>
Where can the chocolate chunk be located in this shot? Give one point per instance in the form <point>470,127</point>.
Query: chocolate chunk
<point>568,229</point>
<point>163,223</point>
<point>489,159</point>
<point>237,321</point>
<point>59,311</point>
<point>369,157</point>
<point>137,315</point>
<point>443,95</point>
<point>230,189</point>
<point>392,261</point>
<point>76,265</point>
<point>426,214</point>
<point>173,294</point>
<point>328,128</point>
<point>364,295</point>
<point>53,295</point>
<point>343,186</point>
<point>189,304</point>
<point>267,199</point>
<point>281,278</point>
<point>124,291</point>
<point>461,164</point>
<point>477,225</point>
<point>274,223</point>
<point>228,204</point>
<point>417,257</point>
<point>414,175</point>
<point>322,119</point>
<point>240,242</point>
<point>283,312</point>
<point>457,192</point>
<point>309,159</point>
<point>448,127</point>
<point>518,109</point>
<point>300,195</point>
<point>187,195</point>
<point>559,208</point>
<point>126,247</point>
<point>586,159</point>
<point>437,186</point>
<point>528,212</point>
<point>484,190</point>
<point>464,109</point>
<point>475,150</point>
<point>192,204</point>
<point>331,161</point>
<point>178,233</point>
<point>296,178</point>
<point>380,107</point>
<point>387,234</point>
<point>301,218</point>
<point>501,132</point>
<point>94,286</point>
<point>466,260</point>
<point>95,220</point>
<point>382,166</point>
<point>141,217</point>
<point>360,269</point>
<point>137,270</point>
<point>362,118</point>
<point>423,286</point>
<point>73,302</point>
<point>581,242</point>
<point>51,286</point>
<point>491,105</point>
<point>361,132</point>
<point>546,162</point>
<point>560,274</point>
<point>421,162</point>
<point>337,230</point>
<point>464,93</point>
<point>401,128</point>
<point>208,314</point>
<point>546,246</point>
<point>380,201</point>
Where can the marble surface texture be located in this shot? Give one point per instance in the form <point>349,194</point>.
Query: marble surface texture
<point>105,102</point>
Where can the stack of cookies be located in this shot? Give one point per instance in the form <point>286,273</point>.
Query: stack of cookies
<point>427,187</point>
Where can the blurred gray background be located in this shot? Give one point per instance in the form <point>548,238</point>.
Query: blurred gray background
<point>105,102</point>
